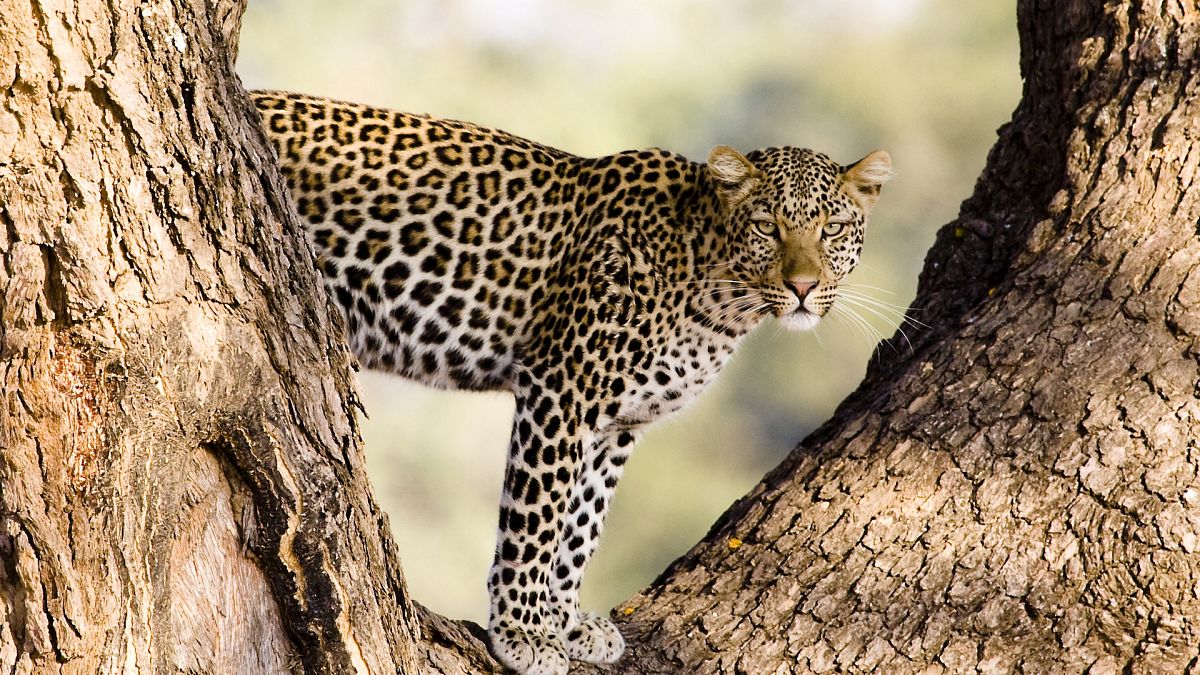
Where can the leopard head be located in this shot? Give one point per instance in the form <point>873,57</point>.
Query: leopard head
<point>795,221</point>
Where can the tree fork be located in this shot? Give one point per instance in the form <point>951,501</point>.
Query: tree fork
<point>181,484</point>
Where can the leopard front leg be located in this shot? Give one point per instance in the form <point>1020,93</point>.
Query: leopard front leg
<point>544,455</point>
<point>587,636</point>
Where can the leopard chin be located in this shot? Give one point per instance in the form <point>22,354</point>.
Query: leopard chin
<point>800,319</point>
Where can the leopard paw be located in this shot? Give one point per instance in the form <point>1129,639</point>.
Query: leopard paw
<point>529,653</point>
<point>594,639</point>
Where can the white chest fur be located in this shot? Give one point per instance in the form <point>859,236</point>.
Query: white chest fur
<point>680,370</point>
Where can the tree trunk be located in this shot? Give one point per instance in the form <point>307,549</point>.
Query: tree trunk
<point>1020,491</point>
<point>181,484</point>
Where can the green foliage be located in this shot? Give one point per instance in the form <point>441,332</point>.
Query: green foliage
<point>927,80</point>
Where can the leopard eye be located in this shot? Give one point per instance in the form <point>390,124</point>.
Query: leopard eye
<point>833,228</point>
<point>766,227</point>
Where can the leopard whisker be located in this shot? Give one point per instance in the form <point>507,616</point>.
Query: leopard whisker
<point>816,332</point>
<point>893,309</point>
<point>755,310</point>
<point>841,315</point>
<point>747,305</point>
<point>696,283</point>
<point>722,311</point>
<point>866,286</point>
<point>722,264</point>
<point>720,305</point>
<point>881,315</point>
<point>775,335</point>
<point>869,331</point>
<point>859,294</point>
<point>857,302</point>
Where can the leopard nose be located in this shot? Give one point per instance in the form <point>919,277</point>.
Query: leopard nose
<point>801,287</point>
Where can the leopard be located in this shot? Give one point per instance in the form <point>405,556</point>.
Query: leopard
<point>604,293</point>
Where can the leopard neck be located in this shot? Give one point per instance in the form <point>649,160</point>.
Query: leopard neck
<point>708,304</point>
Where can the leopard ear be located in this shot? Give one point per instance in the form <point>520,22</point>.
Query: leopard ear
<point>867,176</point>
<point>735,176</point>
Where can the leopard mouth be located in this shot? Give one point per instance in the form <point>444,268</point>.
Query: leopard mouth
<point>781,310</point>
<point>800,319</point>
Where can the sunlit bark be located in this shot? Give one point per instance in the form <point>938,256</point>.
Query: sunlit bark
<point>181,486</point>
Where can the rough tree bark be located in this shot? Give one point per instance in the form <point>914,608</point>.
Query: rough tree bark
<point>181,486</point>
<point>181,482</point>
<point>1021,491</point>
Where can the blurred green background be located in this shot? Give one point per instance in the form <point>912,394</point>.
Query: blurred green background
<point>927,80</point>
